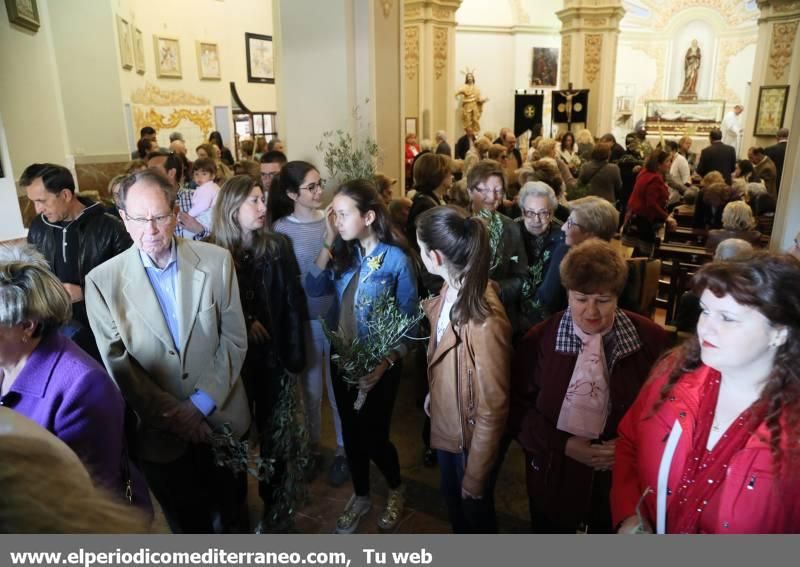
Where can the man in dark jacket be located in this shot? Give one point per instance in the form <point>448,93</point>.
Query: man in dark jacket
<point>464,143</point>
<point>777,153</point>
<point>717,157</point>
<point>74,235</point>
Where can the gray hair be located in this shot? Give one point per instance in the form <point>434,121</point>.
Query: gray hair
<point>441,135</point>
<point>176,136</point>
<point>733,250</point>
<point>596,216</point>
<point>151,177</point>
<point>30,292</point>
<point>538,189</point>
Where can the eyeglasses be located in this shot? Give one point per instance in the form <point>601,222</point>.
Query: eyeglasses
<point>542,215</point>
<point>486,191</point>
<point>571,223</point>
<point>313,187</point>
<point>162,220</point>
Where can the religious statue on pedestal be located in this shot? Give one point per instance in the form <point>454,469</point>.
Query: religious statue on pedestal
<point>471,103</point>
<point>691,67</point>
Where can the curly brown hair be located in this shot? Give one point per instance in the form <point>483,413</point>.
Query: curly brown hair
<point>769,283</point>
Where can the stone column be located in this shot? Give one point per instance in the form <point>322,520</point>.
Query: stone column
<point>589,36</point>
<point>777,48</point>
<point>429,65</point>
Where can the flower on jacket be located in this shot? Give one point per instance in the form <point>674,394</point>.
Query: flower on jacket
<point>374,264</point>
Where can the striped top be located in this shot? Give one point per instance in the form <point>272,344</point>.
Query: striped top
<point>307,241</point>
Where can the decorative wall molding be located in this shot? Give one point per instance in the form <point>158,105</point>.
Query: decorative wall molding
<point>782,45</point>
<point>595,21</point>
<point>519,15</point>
<point>785,7</point>
<point>593,49</point>
<point>411,52</point>
<point>509,30</point>
<point>387,7</point>
<point>728,49</point>
<point>566,58</point>
<point>151,94</point>
<point>733,11</point>
<point>439,50</point>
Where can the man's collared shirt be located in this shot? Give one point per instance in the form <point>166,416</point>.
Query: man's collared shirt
<point>165,283</point>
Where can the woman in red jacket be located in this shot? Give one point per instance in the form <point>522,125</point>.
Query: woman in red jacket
<point>647,204</point>
<point>710,446</point>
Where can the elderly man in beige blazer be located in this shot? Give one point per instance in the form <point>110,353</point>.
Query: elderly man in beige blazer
<point>169,326</point>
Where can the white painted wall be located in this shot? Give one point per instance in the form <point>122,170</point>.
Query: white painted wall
<point>30,98</point>
<point>222,22</point>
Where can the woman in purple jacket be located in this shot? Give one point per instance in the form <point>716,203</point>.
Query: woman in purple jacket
<point>47,378</point>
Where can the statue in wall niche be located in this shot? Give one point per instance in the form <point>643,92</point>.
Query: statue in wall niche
<point>691,67</point>
<point>471,103</point>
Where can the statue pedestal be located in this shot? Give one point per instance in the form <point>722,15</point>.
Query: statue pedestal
<point>688,97</point>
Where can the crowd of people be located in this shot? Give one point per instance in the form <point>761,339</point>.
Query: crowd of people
<point>213,303</point>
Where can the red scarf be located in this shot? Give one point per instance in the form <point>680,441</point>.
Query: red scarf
<point>705,470</point>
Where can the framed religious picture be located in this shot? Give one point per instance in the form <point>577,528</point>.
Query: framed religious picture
<point>23,13</point>
<point>124,37</point>
<point>771,109</point>
<point>544,70</point>
<point>260,66</point>
<point>168,56</point>
<point>138,50</point>
<point>208,60</point>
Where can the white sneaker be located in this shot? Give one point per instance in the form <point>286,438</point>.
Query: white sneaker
<point>356,508</point>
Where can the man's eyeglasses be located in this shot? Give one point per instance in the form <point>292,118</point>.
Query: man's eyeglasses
<point>313,187</point>
<point>162,220</point>
<point>486,191</point>
<point>571,223</point>
<point>542,215</point>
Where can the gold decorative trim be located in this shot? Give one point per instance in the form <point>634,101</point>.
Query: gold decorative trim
<point>411,48</point>
<point>439,50</point>
<point>785,7</point>
<point>151,117</point>
<point>445,14</point>
<point>566,57</point>
<point>780,54</point>
<point>728,50</point>
<point>151,94</point>
<point>593,47</point>
<point>595,21</point>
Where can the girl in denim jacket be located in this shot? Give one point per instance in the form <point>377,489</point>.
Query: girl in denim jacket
<point>361,260</point>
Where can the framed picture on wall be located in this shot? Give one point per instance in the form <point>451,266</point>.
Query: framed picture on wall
<point>544,69</point>
<point>260,65</point>
<point>168,56</point>
<point>771,109</point>
<point>138,50</point>
<point>411,126</point>
<point>208,60</point>
<point>124,37</point>
<point>23,13</point>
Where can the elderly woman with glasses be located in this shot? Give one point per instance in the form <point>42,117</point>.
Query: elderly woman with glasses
<point>573,378</point>
<point>541,235</point>
<point>508,265</point>
<point>51,381</point>
<point>589,217</point>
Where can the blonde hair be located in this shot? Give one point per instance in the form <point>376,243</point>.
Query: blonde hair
<point>584,137</point>
<point>30,292</point>
<point>35,500</point>
<point>738,215</point>
<point>547,147</point>
<point>483,145</point>
<point>497,150</point>
<point>711,178</point>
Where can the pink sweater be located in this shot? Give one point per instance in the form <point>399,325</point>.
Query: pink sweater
<point>203,198</point>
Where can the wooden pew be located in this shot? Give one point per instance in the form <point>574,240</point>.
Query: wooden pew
<point>687,236</point>
<point>680,262</point>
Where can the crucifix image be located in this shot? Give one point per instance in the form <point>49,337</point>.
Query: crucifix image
<point>567,106</point>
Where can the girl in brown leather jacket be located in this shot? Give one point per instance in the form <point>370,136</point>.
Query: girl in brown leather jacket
<point>468,365</point>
